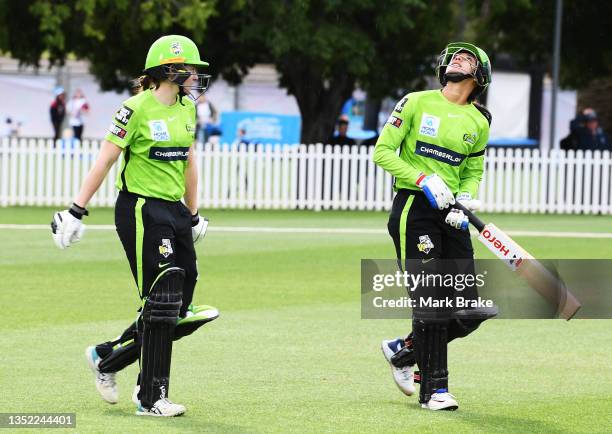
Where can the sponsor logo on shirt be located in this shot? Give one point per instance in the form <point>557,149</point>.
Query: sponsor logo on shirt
<point>400,105</point>
<point>123,115</point>
<point>438,153</point>
<point>429,125</point>
<point>395,121</point>
<point>117,131</point>
<point>159,131</point>
<point>169,153</point>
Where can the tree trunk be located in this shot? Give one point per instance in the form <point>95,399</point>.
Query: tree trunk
<point>535,101</point>
<point>598,95</point>
<point>319,103</point>
<point>370,117</point>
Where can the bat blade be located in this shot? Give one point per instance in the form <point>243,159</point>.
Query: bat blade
<point>531,270</point>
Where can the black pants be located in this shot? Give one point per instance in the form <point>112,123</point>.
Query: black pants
<point>78,132</point>
<point>425,243</point>
<point>419,231</point>
<point>57,131</point>
<point>156,234</point>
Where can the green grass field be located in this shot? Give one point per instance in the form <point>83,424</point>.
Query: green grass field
<point>289,352</point>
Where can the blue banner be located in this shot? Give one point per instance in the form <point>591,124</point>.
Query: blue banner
<point>260,127</point>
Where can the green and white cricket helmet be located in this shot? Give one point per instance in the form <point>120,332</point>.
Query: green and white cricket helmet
<point>173,49</point>
<point>482,73</point>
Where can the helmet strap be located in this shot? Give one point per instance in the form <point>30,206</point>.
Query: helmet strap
<point>457,77</point>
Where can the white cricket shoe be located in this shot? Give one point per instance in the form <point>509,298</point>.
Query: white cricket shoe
<point>403,377</point>
<point>441,401</point>
<point>162,408</point>
<point>105,383</point>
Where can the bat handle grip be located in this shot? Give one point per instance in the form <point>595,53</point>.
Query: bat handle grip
<point>476,222</point>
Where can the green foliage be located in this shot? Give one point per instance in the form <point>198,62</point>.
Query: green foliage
<point>114,35</point>
<point>383,46</point>
<point>525,29</point>
<point>322,49</point>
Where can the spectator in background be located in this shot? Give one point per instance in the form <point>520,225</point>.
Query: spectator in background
<point>242,137</point>
<point>7,128</point>
<point>207,122</point>
<point>585,133</point>
<point>592,136</point>
<point>76,108</point>
<point>340,137</point>
<point>58,112</point>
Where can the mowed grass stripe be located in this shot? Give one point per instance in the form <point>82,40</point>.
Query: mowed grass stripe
<point>290,230</point>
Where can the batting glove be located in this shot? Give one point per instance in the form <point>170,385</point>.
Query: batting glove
<point>436,191</point>
<point>67,228</point>
<point>466,200</point>
<point>198,227</point>
<point>457,219</point>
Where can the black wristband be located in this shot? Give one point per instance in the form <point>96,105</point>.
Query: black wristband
<point>77,211</point>
<point>195,219</point>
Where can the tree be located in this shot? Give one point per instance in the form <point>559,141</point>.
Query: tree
<point>525,30</point>
<point>113,35</point>
<point>322,49</point>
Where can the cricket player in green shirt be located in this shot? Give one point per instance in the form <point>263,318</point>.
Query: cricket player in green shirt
<point>154,130</point>
<point>441,136</point>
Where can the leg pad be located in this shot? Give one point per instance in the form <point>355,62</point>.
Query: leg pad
<point>159,317</point>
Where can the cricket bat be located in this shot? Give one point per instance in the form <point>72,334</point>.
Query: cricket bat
<point>521,262</point>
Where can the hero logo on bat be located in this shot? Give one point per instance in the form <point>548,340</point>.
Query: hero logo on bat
<point>502,247</point>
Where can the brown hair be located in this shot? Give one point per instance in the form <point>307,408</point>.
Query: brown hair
<point>143,83</point>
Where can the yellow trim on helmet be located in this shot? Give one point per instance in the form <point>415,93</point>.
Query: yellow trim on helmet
<point>173,60</point>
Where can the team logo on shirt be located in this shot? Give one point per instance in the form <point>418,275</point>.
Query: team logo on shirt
<point>470,138</point>
<point>123,115</point>
<point>117,131</point>
<point>165,249</point>
<point>190,128</point>
<point>425,244</point>
<point>429,125</point>
<point>159,131</point>
<point>395,121</point>
<point>400,105</point>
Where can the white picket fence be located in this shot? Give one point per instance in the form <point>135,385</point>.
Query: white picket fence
<point>34,172</point>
